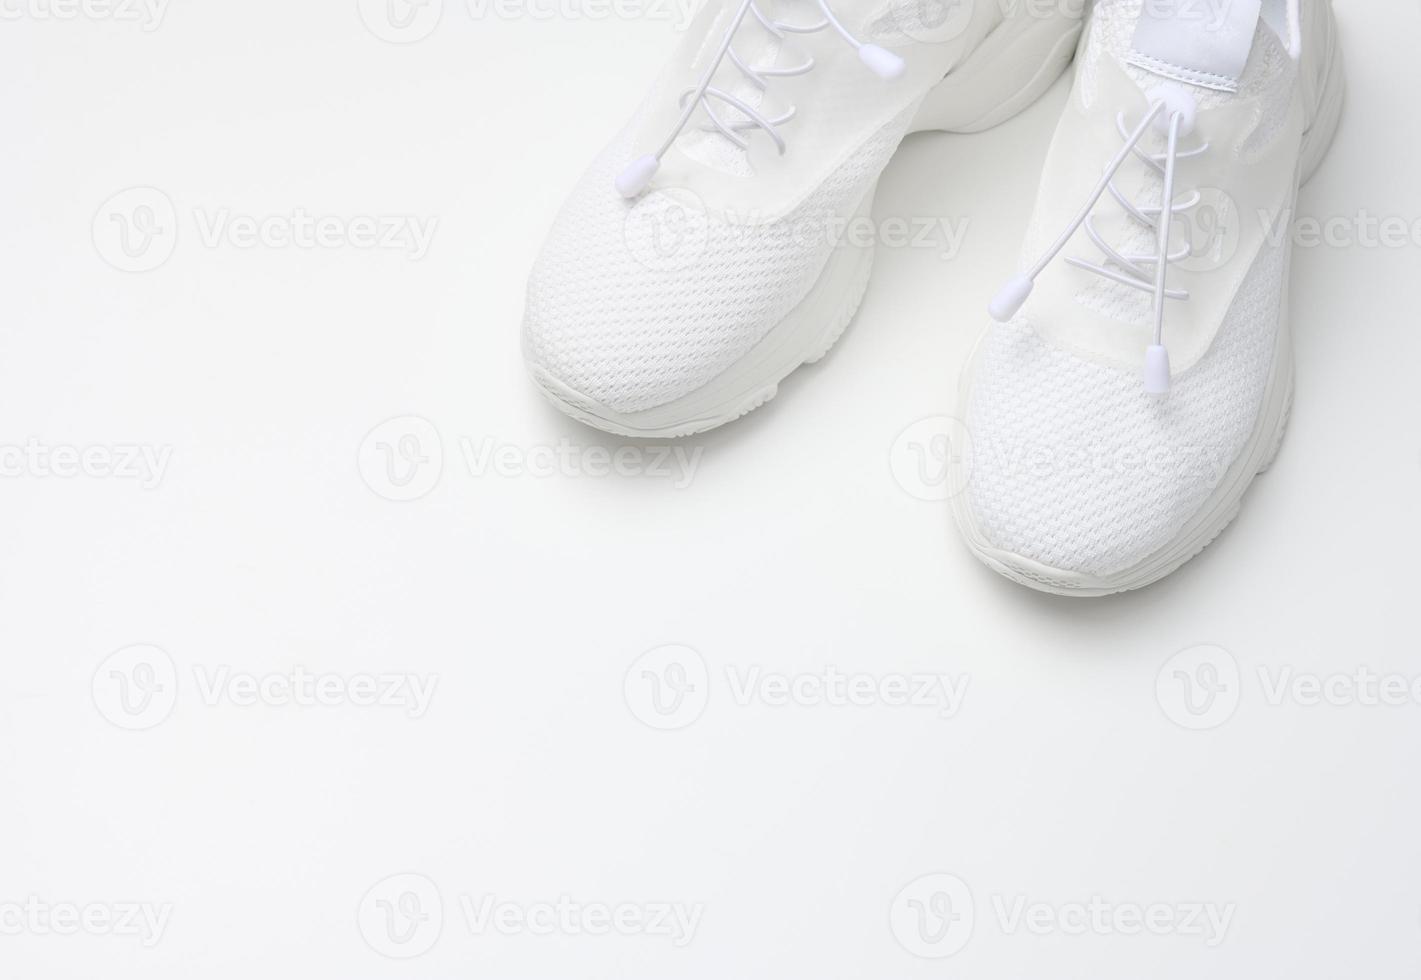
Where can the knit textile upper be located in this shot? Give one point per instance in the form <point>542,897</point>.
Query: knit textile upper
<point>634,304</point>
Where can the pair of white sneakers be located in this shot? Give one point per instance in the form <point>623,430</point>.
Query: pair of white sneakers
<point>1138,371</point>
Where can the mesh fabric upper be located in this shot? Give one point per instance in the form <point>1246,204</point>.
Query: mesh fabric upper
<point>634,304</point>
<point>1076,467</point>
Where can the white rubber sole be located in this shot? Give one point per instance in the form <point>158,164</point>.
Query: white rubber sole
<point>1010,69</point>
<point>1257,455</point>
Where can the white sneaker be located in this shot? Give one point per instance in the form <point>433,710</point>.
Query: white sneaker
<point>1119,409</point>
<point>703,256</point>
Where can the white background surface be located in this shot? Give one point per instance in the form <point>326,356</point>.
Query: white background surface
<point>794,829</point>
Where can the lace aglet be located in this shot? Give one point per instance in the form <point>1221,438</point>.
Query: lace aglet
<point>1156,370</point>
<point>637,176</point>
<point>882,62</point>
<point>1010,298</point>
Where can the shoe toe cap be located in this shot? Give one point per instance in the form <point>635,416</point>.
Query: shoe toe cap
<point>1077,472</point>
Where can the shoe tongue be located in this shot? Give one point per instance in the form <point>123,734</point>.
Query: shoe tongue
<point>1199,43</point>
<point>1117,27</point>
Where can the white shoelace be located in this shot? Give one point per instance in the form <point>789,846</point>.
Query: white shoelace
<point>632,181</point>
<point>1172,110</point>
